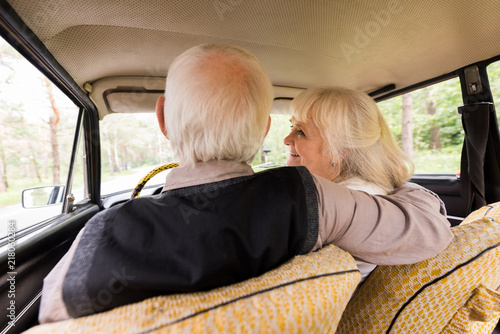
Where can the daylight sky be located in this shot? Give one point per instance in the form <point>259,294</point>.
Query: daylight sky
<point>21,83</point>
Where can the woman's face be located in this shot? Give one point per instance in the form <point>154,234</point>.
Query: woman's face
<point>306,149</point>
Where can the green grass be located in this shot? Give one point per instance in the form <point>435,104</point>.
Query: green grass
<point>106,176</point>
<point>444,161</point>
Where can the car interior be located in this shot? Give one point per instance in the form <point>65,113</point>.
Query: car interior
<point>112,57</point>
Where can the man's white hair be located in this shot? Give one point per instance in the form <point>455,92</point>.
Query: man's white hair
<point>217,102</point>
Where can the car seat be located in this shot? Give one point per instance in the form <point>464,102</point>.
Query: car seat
<point>454,292</point>
<point>305,295</point>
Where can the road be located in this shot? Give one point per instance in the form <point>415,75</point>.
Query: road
<point>27,217</point>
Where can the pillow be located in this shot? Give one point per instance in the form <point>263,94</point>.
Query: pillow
<point>479,315</point>
<point>306,294</point>
<point>426,296</point>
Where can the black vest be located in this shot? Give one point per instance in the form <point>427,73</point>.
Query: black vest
<point>192,239</point>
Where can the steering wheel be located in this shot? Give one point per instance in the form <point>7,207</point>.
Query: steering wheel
<point>142,182</point>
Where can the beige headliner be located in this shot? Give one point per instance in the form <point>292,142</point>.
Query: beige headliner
<point>360,44</point>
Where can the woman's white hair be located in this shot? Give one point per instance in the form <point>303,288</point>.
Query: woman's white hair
<point>217,103</point>
<point>355,134</point>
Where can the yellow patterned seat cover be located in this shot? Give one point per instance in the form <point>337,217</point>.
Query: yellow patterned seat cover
<point>453,292</point>
<point>305,295</point>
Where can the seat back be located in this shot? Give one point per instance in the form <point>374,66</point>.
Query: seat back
<point>305,295</point>
<point>454,292</point>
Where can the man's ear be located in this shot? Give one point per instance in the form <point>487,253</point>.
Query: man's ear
<point>268,125</point>
<point>160,104</point>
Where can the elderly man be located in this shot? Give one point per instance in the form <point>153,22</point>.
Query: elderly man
<point>216,221</point>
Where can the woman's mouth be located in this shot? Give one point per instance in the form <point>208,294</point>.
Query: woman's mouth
<point>294,154</point>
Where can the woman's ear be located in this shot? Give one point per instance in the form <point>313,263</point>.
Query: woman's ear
<point>343,154</point>
<point>160,104</point>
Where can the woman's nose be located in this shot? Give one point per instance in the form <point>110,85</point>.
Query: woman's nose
<point>288,139</point>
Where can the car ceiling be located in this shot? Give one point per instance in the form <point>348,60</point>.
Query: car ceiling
<point>364,45</point>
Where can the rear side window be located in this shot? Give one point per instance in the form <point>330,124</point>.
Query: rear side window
<point>494,78</point>
<point>427,126</point>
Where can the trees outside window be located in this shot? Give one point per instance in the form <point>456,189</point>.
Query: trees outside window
<point>429,116</point>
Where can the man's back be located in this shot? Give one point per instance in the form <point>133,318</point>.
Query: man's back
<point>192,239</point>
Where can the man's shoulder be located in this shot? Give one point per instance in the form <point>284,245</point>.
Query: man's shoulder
<point>128,208</point>
<point>142,207</point>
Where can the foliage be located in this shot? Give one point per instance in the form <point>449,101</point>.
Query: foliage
<point>494,78</point>
<point>447,95</point>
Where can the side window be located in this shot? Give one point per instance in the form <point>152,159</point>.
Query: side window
<point>428,127</point>
<point>494,78</point>
<point>37,128</point>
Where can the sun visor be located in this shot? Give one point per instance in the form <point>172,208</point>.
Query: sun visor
<point>135,94</point>
<point>125,94</point>
<point>131,100</point>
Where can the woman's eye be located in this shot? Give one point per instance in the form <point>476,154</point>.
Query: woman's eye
<point>297,130</point>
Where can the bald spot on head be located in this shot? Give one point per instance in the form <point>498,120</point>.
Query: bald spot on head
<point>220,68</point>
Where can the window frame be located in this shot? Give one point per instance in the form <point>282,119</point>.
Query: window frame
<point>24,41</point>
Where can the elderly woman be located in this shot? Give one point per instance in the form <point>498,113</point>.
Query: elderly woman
<point>341,135</point>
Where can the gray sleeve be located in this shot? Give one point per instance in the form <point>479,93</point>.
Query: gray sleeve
<point>74,289</point>
<point>407,226</point>
<point>52,306</point>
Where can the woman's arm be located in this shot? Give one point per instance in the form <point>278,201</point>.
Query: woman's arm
<point>407,226</point>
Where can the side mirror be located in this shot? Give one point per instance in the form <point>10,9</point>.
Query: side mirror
<point>42,196</point>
